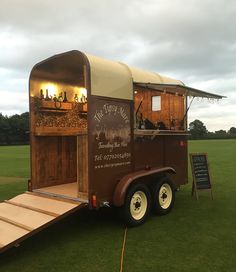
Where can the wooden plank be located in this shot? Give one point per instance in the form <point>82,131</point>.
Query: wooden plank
<point>31,208</point>
<point>17,223</point>
<point>69,189</point>
<point>54,197</point>
<point>1,245</point>
<point>69,160</point>
<point>9,233</point>
<point>82,163</point>
<point>52,206</point>
<point>56,133</point>
<point>23,216</point>
<point>12,222</point>
<point>48,164</point>
<point>56,105</point>
<point>55,161</point>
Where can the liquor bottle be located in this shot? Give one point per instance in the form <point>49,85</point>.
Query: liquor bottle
<point>60,98</point>
<point>47,98</point>
<point>172,123</point>
<point>76,99</point>
<point>41,94</point>
<point>83,99</point>
<point>141,123</point>
<point>65,98</point>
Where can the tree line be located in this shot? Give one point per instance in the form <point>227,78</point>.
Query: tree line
<point>15,130</point>
<point>198,130</point>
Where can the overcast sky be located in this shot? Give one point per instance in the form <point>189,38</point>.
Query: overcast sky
<point>194,41</point>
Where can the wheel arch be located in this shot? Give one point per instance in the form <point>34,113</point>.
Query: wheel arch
<point>127,180</point>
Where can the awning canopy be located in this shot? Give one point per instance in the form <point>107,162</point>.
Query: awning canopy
<point>178,90</point>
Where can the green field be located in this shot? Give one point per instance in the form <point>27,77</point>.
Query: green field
<point>195,236</point>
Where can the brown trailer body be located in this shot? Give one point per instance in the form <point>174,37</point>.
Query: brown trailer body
<point>86,133</point>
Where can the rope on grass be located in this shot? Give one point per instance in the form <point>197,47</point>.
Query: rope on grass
<point>123,251</point>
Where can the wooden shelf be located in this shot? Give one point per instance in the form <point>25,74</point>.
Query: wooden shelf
<point>61,107</point>
<point>150,132</point>
<point>52,110</point>
<point>52,105</point>
<point>63,133</point>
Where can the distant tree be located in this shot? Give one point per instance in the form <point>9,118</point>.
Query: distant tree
<point>197,129</point>
<point>232,131</point>
<point>221,132</point>
<point>4,129</point>
<point>14,129</point>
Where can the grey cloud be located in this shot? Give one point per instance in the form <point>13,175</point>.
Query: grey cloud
<point>194,37</point>
<point>190,40</point>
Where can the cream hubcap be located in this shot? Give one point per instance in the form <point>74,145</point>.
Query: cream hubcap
<point>138,205</point>
<point>165,196</point>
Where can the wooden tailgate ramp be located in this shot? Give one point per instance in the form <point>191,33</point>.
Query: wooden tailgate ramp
<point>28,213</point>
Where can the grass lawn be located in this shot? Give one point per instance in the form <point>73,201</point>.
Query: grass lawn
<point>14,161</point>
<point>195,236</point>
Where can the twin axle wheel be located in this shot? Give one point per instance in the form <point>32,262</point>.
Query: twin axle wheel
<point>139,201</point>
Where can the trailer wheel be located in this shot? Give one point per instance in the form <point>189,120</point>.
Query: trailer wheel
<point>163,196</point>
<point>137,205</point>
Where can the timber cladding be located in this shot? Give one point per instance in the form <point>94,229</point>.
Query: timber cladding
<point>172,107</point>
<point>55,160</point>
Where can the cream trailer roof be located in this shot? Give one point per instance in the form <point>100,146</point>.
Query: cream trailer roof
<point>107,78</point>
<point>116,79</point>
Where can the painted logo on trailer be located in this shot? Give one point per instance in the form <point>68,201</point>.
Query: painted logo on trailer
<point>111,135</point>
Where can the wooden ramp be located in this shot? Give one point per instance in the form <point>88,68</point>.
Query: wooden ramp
<point>28,213</point>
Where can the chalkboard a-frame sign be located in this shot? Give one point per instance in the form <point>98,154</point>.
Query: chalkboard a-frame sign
<point>201,173</point>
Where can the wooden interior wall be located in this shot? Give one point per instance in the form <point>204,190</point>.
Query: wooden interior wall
<point>172,107</point>
<point>82,163</point>
<point>54,161</point>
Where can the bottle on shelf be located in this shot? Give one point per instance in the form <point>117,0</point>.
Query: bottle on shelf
<point>41,94</point>
<point>83,99</point>
<point>172,123</point>
<point>141,123</point>
<point>55,98</point>
<point>65,97</point>
<point>47,98</point>
<point>60,98</point>
<point>76,99</point>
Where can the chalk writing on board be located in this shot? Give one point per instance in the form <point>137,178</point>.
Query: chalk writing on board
<point>200,171</point>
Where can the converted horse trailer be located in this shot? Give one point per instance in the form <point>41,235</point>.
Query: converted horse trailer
<point>102,133</point>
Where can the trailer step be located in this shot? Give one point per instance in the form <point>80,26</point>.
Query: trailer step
<point>27,214</point>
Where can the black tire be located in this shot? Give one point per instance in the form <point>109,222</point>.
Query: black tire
<point>137,205</point>
<point>163,196</point>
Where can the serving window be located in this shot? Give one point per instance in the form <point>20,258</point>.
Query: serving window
<point>158,110</point>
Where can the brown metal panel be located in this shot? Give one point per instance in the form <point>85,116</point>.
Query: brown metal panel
<point>176,156</point>
<point>109,144</point>
<point>148,151</point>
